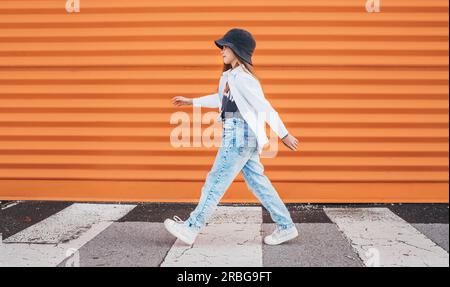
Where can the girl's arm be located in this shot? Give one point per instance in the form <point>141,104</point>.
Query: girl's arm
<point>208,101</point>
<point>251,89</point>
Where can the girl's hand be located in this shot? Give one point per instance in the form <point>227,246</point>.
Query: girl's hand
<point>291,142</point>
<point>181,101</point>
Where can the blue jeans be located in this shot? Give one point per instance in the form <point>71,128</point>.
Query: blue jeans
<point>238,152</point>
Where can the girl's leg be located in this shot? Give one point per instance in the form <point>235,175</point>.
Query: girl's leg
<point>263,189</point>
<point>231,157</point>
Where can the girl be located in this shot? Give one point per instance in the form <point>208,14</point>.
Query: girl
<point>243,111</point>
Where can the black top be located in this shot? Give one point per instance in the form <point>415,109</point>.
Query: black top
<point>228,104</point>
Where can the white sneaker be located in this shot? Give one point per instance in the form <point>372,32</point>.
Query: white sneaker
<point>279,236</point>
<point>178,229</point>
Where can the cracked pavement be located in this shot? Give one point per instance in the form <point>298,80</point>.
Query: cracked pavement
<point>85,234</point>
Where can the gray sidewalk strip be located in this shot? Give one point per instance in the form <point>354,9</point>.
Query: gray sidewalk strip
<point>436,232</point>
<point>318,244</point>
<point>123,244</point>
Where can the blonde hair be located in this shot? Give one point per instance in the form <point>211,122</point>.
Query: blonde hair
<point>247,67</point>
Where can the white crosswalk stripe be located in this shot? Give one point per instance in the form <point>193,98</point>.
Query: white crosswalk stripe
<point>232,238</point>
<point>381,238</point>
<point>47,243</point>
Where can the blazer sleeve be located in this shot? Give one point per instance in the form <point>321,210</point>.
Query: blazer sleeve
<point>208,101</point>
<point>251,89</point>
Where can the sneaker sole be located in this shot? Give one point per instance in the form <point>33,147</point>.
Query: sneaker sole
<point>168,228</point>
<point>287,239</point>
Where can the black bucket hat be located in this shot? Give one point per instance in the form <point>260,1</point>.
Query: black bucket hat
<point>240,41</point>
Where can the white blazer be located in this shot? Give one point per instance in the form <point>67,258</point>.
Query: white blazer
<point>251,102</point>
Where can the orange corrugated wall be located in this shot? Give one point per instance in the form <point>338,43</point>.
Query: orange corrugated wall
<point>85,98</point>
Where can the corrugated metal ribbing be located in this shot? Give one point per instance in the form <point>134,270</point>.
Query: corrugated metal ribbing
<point>85,98</point>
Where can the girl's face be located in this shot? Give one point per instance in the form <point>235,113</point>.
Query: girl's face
<point>228,56</point>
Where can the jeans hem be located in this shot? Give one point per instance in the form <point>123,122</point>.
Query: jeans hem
<point>285,226</point>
